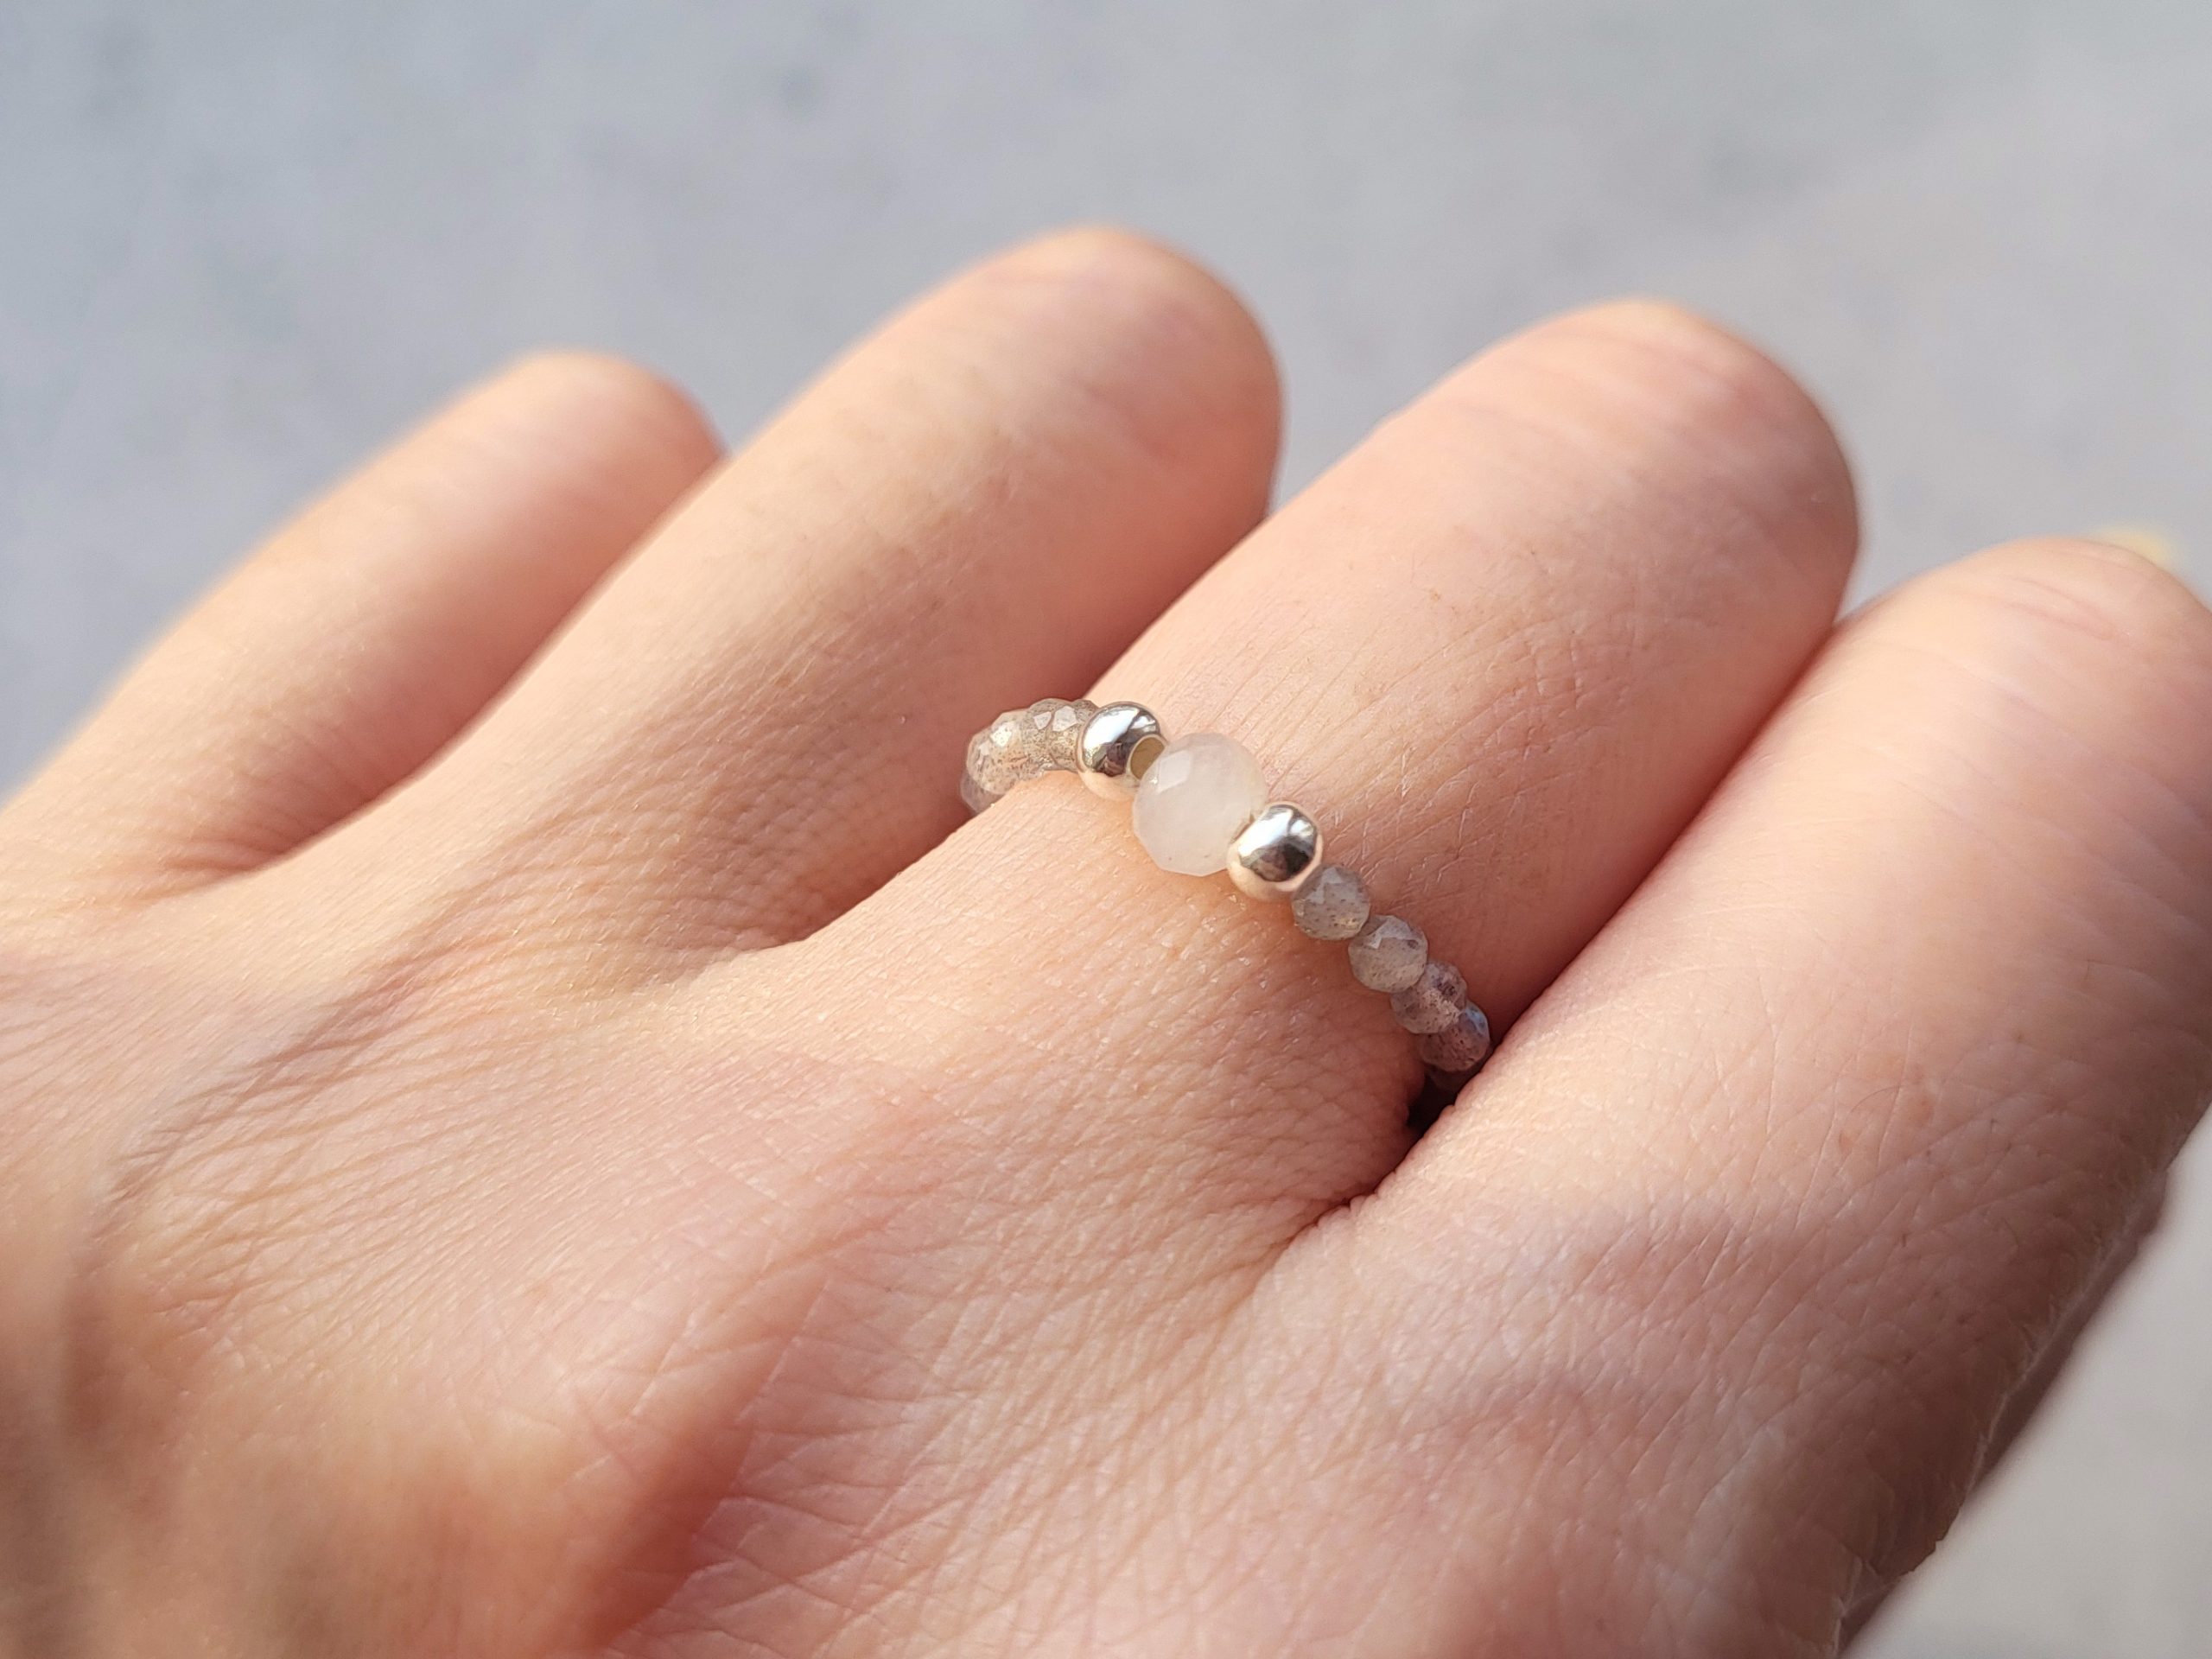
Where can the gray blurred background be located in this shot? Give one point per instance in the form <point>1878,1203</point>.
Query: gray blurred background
<point>240,242</point>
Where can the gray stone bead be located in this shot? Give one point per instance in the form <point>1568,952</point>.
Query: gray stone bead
<point>1389,954</point>
<point>1333,904</point>
<point>1433,1002</point>
<point>976,796</point>
<point>1026,743</point>
<point>1055,728</point>
<point>1461,1046</point>
<point>996,759</point>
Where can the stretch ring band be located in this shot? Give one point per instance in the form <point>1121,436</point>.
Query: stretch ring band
<point>1199,805</point>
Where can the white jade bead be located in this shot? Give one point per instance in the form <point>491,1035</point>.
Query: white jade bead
<point>1195,797</point>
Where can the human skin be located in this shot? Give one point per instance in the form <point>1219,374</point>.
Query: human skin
<point>532,1127</point>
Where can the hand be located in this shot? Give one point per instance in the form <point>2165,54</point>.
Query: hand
<point>533,1127</point>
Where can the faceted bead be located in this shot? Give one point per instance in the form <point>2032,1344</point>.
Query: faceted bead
<point>1055,724</point>
<point>1333,906</point>
<point>999,757</point>
<point>1433,1002</point>
<point>983,768</point>
<point>975,795</point>
<point>1194,798</point>
<point>1460,1046</point>
<point>1026,743</point>
<point>1389,954</point>
<point>1067,728</point>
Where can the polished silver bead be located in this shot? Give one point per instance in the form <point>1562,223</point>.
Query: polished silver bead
<point>1118,743</point>
<point>1277,853</point>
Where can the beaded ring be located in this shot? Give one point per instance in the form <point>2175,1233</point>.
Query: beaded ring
<point>1199,805</point>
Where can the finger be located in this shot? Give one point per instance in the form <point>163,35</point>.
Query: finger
<point>748,730</point>
<point>2026,1403</point>
<point>1781,1192</point>
<point>1502,652</point>
<point>362,637</point>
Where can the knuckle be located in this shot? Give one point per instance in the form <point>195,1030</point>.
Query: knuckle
<point>145,1306</point>
<point>1161,308</point>
<point>638,399</point>
<point>1142,272</point>
<point>1699,415</point>
<point>1688,359</point>
<point>204,1210</point>
<point>1669,329</point>
<point>2093,630</point>
<point>2079,595</point>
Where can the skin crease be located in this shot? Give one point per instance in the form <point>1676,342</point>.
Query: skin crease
<point>533,1129</point>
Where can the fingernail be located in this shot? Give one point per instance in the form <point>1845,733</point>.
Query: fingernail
<point>2143,540</point>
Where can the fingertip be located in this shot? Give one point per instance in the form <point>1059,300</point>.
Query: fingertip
<point>1190,372</point>
<point>2107,589</point>
<point>1721,427</point>
<point>2093,635</point>
<point>645,414</point>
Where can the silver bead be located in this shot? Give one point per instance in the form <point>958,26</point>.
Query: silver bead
<point>1276,854</point>
<point>977,798</point>
<point>1118,743</point>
